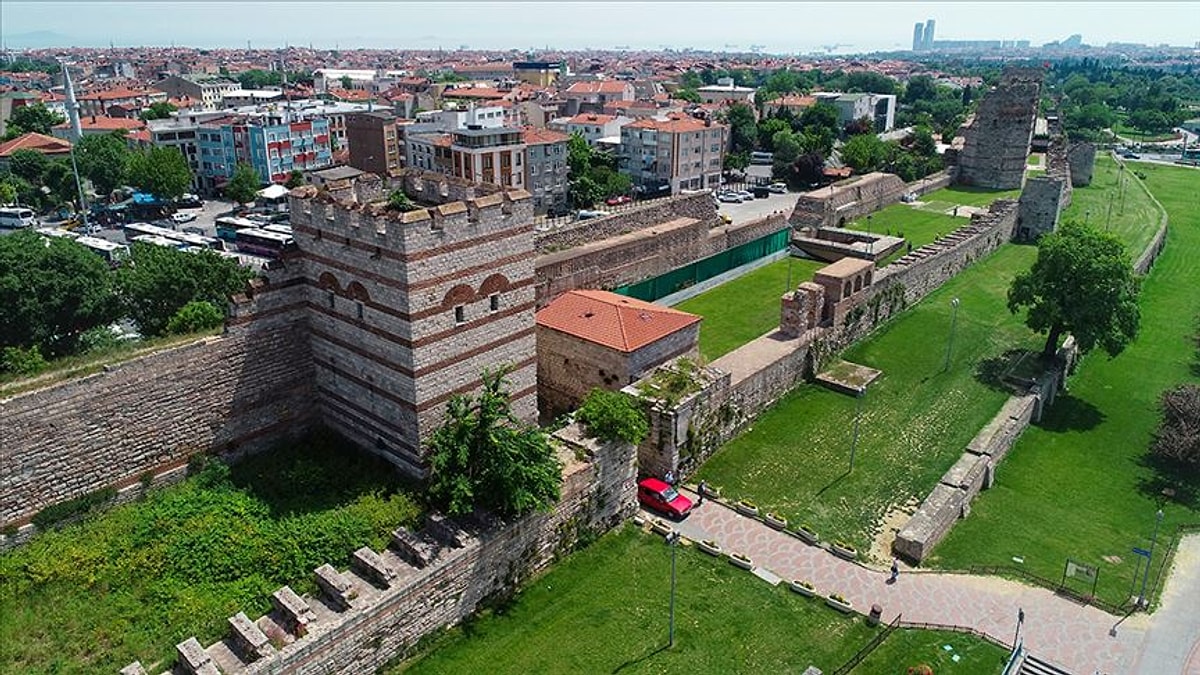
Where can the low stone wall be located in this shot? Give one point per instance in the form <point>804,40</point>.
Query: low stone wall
<point>376,611</point>
<point>842,202</point>
<point>930,183</point>
<point>699,206</point>
<point>243,389</point>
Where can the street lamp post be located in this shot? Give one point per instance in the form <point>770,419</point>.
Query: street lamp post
<point>858,396</point>
<point>953,323</point>
<point>672,540</point>
<point>1149,559</point>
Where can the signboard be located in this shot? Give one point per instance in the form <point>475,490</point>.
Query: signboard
<point>1142,552</point>
<point>1080,570</point>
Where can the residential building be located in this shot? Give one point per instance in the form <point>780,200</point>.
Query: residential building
<point>49,146</point>
<point>239,97</point>
<point>546,168</point>
<point>725,91</point>
<point>483,155</point>
<point>272,145</point>
<point>793,103</point>
<point>673,154</point>
<point>325,79</point>
<point>208,91</point>
<point>596,339</point>
<point>879,108</point>
<point>373,141</point>
<point>96,124</point>
<point>179,133</point>
<point>428,151</point>
<point>122,101</point>
<point>591,126</point>
<point>594,95</point>
<point>538,73</point>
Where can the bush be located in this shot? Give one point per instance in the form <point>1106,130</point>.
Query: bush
<point>22,361</point>
<point>56,513</point>
<point>195,316</point>
<point>1178,436</point>
<point>98,340</point>
<point>613,416</point>
<point>398,201</point>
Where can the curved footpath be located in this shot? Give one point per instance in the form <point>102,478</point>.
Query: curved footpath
<point>1083,640</point>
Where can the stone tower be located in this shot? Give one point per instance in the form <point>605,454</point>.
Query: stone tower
<point>407,309</point>
<point>996,142</point>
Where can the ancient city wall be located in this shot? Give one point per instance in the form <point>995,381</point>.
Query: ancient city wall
<point>996,144</point>
<point>373,613</point>
<point>242,389</point>
<point>699,206</point>
<point>846,200</point>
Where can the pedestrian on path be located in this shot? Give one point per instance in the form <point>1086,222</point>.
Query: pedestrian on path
<point>669,479</point>
<point>703,488</point>
<point>895,571</point>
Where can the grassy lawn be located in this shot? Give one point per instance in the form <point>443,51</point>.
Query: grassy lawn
<point>967,195</point>
<point>605,609</point>
<point>745,308</point>
<point>1125,131</point>
<point>1079,484</point>
<point>134,581</point>
<point>909,647</point>
<point>916,418</point>
<point>1134,219</point>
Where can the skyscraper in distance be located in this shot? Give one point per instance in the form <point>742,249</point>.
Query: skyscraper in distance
<point>918,36</point>
<point>927,40</point>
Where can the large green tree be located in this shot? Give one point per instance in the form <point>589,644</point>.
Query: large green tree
<point>865,153</point>
<point>1082,283</point>
<point>483,457</point>
<point>36,118</point>
<point>743,128</point>
<point>161,281</point>
<point>51,292</point>
<point>158,111</point>
<point>103,159</point>
<point>163,172</point>
<point>244,184</point>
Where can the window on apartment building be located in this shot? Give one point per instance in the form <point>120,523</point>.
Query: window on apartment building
<point>494,302</point>
<point>460,315</point>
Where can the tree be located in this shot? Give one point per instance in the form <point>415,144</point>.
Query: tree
<point>195,316</point>
<point>1082,283</point>
<point>8,192</point>
<point>398,200</point>
<point>743,129</point>
<point>865,153</point>
<point>482,457</point>
<point>158,111</point>
<point>687,94</point>
<point>244,184</point>
<point>29,165</point>
<point>295,179</point>
<point>862,125</point>
<point>865,80</point>
<point>51,292</point>
<point>923,143</point>
<point>919,88</point>
<point>35,118</point>
<point>347,82</point>
<point>809,168</point>
<point>767,130</point>
<point>102,159</point>
<point>820,116</point>
<point>787,147</point>
<point>161,281</point>
<point>162,172</point>
<point>1178,436</point>
<point>584,191</point>
<point>612,416</point>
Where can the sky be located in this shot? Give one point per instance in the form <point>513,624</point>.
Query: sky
<point>781,27</point>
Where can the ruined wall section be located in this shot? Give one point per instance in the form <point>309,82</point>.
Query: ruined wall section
<point>844,201</point>
<point>241,390</point>
<point>699,206</point>
<point>996,142</point>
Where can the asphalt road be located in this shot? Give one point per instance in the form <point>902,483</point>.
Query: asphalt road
<point>758,208</point>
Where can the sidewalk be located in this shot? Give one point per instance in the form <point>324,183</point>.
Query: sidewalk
<point>1173,640</point>
<point>1056,629</point>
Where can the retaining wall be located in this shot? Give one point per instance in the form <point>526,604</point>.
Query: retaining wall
<point>699,206</point>
<point>243,389</point>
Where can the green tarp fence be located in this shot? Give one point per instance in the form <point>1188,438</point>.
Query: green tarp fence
<point>706,268</point>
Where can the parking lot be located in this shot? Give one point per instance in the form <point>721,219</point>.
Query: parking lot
<point>754,209</point>
<point>206,218</point>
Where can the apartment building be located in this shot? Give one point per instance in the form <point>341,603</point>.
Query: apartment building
<point>591,126</point>
<point>272,145</point>
<point>879,108</point>
<point>593,95</point>
<point>546,168</point>
<point>475,153</point>
<point>726,91</point>
<point>207,90</point>
<point>676,153</point>
<point>374,142</point>
<point>119,102</point>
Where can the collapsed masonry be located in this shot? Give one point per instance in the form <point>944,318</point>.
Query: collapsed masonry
<point>996,141</point>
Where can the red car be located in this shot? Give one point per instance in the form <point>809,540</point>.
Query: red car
<point>619,199</point>
<point>656,495</point>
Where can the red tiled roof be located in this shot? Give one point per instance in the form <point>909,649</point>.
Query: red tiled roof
<point>598,87</point>
<point>794,100</point>
<point>588,118</point>
<point>674,125</point>
<point>533,136</point>
<point>99,122</point>
<point>614,321</point>
<point>47,145</point>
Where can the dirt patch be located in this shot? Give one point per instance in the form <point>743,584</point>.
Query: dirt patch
<point>887,529</point>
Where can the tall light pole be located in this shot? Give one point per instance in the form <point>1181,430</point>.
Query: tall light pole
<point>858,396</point>
<point>672,541</point>
<point>950,341</point>
<point>1150,558</point>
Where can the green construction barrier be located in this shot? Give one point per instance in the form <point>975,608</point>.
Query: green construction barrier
<point>706,268</point>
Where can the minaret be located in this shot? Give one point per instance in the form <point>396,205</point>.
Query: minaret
<point>71,104</point>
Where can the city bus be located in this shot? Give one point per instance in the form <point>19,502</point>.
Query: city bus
<point>282,229</point>
<point>135,230</point>
<point>196,240</point>
<point>264,242</point>
<point>228,227</point>
<point>158,240</point>
<point>16,217</point>
<point>56,232</point>
<point>114,254</point>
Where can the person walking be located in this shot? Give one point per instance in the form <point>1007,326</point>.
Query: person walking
<point>669,479</point>
<point>703,488</point>
<point>895,570</point>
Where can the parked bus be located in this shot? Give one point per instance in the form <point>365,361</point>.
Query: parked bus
<point>762,157</point>
<point>263,242</point>
<point>114,254</point>
<point>228,227</point>
<point>56,232</point>
<point>17,217</point>
<point>135,230</point>
<point>158,240</point>
<point>282,229</point>
<point>196,240</point>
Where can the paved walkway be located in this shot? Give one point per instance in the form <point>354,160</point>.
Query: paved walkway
<point>1056,629</point>
<point>1173,640</point>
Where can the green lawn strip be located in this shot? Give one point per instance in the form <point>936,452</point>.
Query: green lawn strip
<point>916,418</point>
<point>1125,131</point>
<point>745,308</point>
<point>911,647</point>
<point>1077,485</point>
<point>1100,204</point>
<point>605,609</point>
<point>1035,159</point>
<point>967,195</point>
<point>132,582</point>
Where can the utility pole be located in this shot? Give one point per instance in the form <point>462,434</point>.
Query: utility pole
<point>858,396</point>
<point>672,541</point>
<point>950,341</point>
<point>76,134</point>
<point>1150,558</point>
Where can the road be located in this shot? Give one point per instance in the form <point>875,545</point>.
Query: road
<point>1172,642</point>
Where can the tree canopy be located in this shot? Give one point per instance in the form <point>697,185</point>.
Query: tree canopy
<point>35,118</point>
<point>103,159</point>
<point>1082,283</point>
<point>592,174</point>
<point>161,171</point>
<point>1178,436</point>
<point>161,281</point>
<point>158,111</point>
<point>483,457</point>
<point>613,416</point>
<point>244,184</point>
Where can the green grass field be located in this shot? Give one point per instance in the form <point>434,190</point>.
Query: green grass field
<point>1134,218</point>
<point>909,647</point>
<point>916,418</point>
<point>1126,131</point>
<point>745,308</point>
<point>605,610</point>
<point>1079,484</point>
<point>132,582</point>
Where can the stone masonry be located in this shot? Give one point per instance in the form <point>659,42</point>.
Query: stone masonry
<point>996,141</point>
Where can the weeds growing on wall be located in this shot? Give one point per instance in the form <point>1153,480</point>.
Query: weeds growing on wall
<point>132,582</point>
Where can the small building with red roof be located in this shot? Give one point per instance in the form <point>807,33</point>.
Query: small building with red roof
<point>588,339</point>
<point>47,145</point>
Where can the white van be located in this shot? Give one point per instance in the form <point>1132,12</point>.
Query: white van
<point>15,217</point>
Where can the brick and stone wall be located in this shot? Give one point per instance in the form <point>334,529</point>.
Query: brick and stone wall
<point>1040,205</point>
<point>699,206</point>
<point>377,610</point>
<point>996,141</point>
<point>241,390</point>
<point>1082,160</point>
<point>844,201</point>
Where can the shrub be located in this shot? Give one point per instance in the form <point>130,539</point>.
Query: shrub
<point>56,513</point>
<point>195,316</point>
<point>613,416</point>
<point>22,361</point>
<point>1178,436</point>
<point>398,201</point>
<point>100,339</point>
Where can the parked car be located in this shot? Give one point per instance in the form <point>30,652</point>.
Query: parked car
<point>744,194</point>
<point>656,495</point>
<point>760,192</point>
<point>192,229</point>
<point>730,198</point>
<point>189,201</point>
<point>619,199</point>
<point>585,214</point>
<point>183,217</point>
<point>557,211</point>
<point>778,188</point>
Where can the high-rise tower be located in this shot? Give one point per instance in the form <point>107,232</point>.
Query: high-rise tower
<point>927,39</point>
<point>918,36</point>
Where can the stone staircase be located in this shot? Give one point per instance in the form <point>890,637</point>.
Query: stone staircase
<point>1032,665</point>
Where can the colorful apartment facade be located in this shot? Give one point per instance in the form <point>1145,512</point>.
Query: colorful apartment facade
<point>273,148</point>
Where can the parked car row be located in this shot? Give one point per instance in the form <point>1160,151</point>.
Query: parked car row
<point>756,192</point>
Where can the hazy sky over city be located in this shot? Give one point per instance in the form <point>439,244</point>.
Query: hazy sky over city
<point>779,26</point>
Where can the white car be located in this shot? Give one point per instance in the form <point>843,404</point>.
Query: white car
<point>730,198</point>
<point>182,217</point>
<point>778,188</point>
